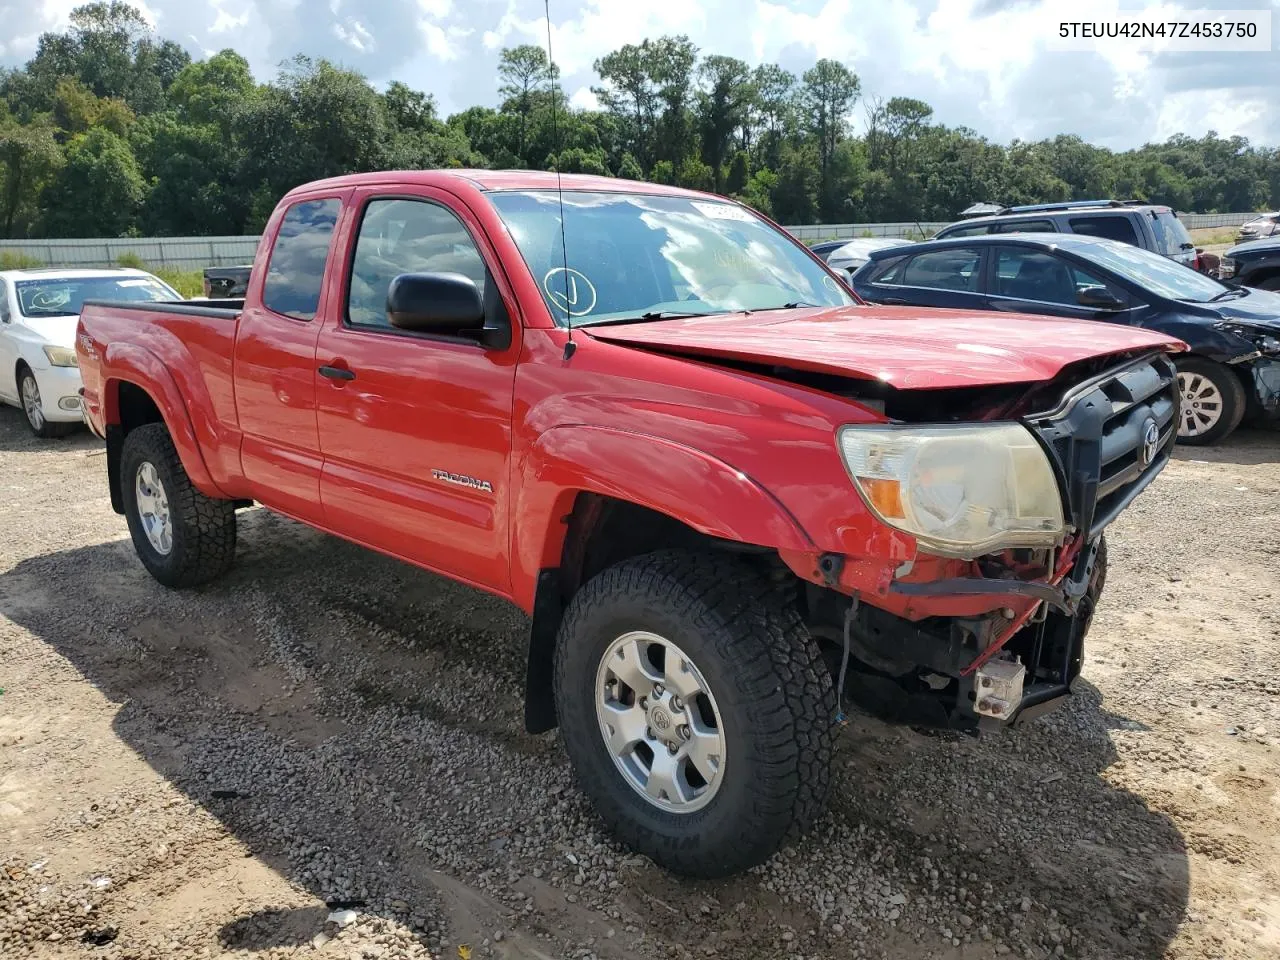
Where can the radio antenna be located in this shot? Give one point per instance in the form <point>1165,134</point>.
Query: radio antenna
<point>569,346</point>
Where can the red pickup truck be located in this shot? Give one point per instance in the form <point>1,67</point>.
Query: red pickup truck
<point>732,497</point>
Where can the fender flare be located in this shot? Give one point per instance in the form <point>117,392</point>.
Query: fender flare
<point>129,363</point>
<point>685,483</point>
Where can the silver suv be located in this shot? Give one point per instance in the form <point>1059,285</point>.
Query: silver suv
<point>1145,225</point>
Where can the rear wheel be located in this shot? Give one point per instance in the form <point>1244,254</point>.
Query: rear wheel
<point>1212,401</point>
<point>181,536</point>
<point>696,710</point>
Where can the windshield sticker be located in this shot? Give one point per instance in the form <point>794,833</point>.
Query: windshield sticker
<point>139,282</point>
<point>570,291</point>
<point>723,211</point>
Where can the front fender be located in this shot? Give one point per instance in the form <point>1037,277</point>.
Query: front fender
<point>687,484</point>
<point>1204,339</point>
<point>129,363</point>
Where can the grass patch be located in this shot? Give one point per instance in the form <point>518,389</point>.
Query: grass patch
<point>189,283</point>
<point>12,260</point>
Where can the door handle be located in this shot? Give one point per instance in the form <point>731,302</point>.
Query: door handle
<point>337,373</point>
<point>894,301</point>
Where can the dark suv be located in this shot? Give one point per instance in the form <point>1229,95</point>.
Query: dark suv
<point>1144,225</point>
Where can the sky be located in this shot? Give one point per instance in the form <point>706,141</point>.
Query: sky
<point>986,64</point>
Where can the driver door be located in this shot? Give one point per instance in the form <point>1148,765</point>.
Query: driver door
<point>415,428</point>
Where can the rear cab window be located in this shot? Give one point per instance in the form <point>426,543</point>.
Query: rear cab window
<point>1111,227</point>
<point>4,302</point>
<point>295,272</point>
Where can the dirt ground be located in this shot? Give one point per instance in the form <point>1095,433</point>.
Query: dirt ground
<point>211,773</point>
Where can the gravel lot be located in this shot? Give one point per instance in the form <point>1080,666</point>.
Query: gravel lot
<point>207,774</point>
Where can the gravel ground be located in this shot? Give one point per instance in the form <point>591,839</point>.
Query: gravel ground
<point>323,755</point>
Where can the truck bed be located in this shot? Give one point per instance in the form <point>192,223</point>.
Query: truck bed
<point>181,352</point>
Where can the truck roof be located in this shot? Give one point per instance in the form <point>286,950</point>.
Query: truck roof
<point>79,273</point>
<point>496,180</point>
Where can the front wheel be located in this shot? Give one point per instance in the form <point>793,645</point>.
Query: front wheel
<point>33,408</point>
<point>181,536</point>
<point>1212,401</point>
<point>696,710</point>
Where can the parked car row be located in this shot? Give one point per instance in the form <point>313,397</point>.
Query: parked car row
<point>1232,369</point>
<point>1107,260</point>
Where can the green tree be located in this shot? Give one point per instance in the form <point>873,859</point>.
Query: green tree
<point>522,69</point>
<point>31,156</point>
<point>829,91</point>
<point>211,91</point>
<point>723,105</point>
<point>99,190</point>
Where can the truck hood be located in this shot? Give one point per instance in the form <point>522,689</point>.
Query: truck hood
<point>908,347</point>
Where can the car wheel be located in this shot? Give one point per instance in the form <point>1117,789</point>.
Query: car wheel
<point>1212,401</point>
<point>181,536</point>
<point>29,395</point>
<point>696,710</point>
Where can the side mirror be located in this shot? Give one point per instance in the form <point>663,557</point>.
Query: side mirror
<point>444,303</point>
<point>1099,298</point>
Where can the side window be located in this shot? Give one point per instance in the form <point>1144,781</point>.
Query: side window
<point>1112,228</point>
<point>406,236</point>
<point>1024,226</point>
<point>890,272</point>
<point>295,271</point>
<point>1026,274</point>
<point>976,230</point>
<point>4,302</point>
<point>955,268</point>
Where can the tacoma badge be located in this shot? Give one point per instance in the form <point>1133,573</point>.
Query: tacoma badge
<point>462,481</point>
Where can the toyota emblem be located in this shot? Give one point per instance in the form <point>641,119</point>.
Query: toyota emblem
<point>1150,442</point>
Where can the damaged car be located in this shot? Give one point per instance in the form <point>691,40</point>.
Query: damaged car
<point>1231,371</point>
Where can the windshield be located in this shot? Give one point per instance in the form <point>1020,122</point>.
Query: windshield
<point>631,255</point>
<point>1160,275</point>
<point>65,296</point>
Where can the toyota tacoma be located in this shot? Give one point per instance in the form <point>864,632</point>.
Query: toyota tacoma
<point>734,499</point>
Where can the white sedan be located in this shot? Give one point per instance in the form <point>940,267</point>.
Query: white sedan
<point>857,251</point>
<point>39,310</point>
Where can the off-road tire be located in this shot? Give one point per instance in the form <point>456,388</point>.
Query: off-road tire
<point>204,529</point>
<point>770,683</point>
<point>1233,399</point>
<point>46,430</point>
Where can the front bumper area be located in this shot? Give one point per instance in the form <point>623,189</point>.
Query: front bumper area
<point>60,399</point>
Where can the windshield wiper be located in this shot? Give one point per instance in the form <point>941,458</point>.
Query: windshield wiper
<point>793,305</point>
<point>1231,293</point>
<point>651,315</point>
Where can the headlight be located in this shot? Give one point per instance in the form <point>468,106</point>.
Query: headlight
<point>961,490</point>
<point>61,356</point>
<point>1226,268</point>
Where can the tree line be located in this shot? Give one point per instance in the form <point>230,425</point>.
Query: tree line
<point>111,131</point>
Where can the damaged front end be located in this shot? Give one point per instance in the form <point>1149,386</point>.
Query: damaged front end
<point>948,640</point>
<point>1258,361</point>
